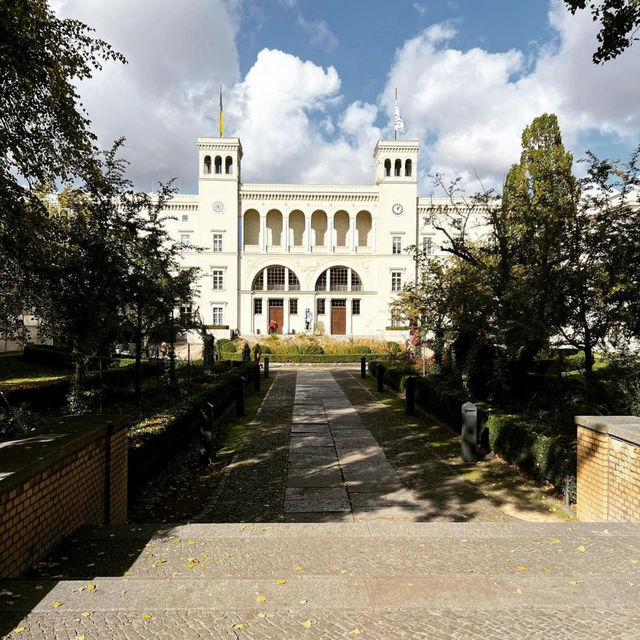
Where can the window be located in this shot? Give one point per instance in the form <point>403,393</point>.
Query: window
<point>185,218</point>
<point>228,165</point>
<point>294,283</point>
<point>185,311</point>
<point>320,306</point>
<point>217,278</point>
<point>396,321</point>
<point>407,168</point>
<point>218,165</point>
<point>396,244</point>
<point>185,241</point>
<point>355,307</point>
<point>217,242</point>
<point>293,306</point>
<point>427,246</point>
<point>339,279</point>
<point>257,306</point>
<point>356,283</point>
<point>321,282</point>
<point>275,278</point>
<point>396,280</point>
<point>398,167</point>
<point>207,164</point>
<point>258,283</point>
<point>217,315</point>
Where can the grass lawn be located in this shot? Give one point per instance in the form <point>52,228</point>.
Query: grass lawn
<point>14,370</point>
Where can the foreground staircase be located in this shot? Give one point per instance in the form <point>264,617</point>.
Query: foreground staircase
<point>375,580</point>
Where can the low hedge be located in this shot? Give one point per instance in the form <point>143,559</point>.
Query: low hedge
<point>300,358</point>
<point>46,355</point>
<point>514,437</point>
<point>53,393</point>
<point>149,450</point>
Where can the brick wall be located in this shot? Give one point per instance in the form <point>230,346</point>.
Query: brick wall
<point>55,481</point>
<point>608,468</point>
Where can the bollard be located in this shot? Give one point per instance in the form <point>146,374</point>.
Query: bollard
<point>380,377</point>
<point>363,367</point>
<point>240,396</point>
<point>266,367</point>
<point>256,379</point>
<point>469,428</point>
<point>410,396</point>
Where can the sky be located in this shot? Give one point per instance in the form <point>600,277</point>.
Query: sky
<point>308,86</point>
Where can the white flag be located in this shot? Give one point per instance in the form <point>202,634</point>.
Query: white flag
<point>398,125</point>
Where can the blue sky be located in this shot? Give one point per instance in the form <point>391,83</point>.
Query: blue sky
<point>308,85</point>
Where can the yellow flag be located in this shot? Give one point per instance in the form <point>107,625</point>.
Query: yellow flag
<point>221,116</point>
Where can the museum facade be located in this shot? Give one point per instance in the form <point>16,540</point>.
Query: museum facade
<point>290,257</point>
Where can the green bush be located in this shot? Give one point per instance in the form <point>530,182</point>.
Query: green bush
<point>225,346</point>
<point>546,458</point>
<point>46,355</point>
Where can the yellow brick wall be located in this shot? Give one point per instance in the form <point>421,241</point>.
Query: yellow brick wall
<point>608,478</point>
<point>37,514</point>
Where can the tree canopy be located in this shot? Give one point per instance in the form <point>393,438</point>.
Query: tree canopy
<point>619,22</point>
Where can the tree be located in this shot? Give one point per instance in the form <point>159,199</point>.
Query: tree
<point>619,22</point>
<point>44,134</point>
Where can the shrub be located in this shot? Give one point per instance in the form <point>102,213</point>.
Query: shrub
<point>225,346</point>
<point>46,355</point>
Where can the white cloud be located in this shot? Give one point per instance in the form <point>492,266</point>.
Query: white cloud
<point>165,96</point>
<point>319,33</point>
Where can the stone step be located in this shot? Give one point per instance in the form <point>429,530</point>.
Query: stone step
<point>378,579</point>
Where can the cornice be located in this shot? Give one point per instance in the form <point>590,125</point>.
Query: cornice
<point>309,192</point>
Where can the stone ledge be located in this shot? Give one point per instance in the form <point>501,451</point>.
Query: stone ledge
<point>23,459</point>
<point>622,427</point>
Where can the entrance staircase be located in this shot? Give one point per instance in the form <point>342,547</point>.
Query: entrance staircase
<point>343,580</point>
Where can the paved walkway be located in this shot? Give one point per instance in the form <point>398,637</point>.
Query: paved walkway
<point>314,454</point>
<point>323,449</point>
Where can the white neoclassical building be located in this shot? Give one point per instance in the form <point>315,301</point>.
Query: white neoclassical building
<point>307,257</point>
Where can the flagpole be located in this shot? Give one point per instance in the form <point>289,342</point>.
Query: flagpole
<point>395,131</point>
<point>220,116</point>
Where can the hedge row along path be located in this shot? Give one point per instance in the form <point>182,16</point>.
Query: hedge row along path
<point>386,565</point>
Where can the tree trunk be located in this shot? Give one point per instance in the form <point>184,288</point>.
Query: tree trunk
<point>78,379</point>
<point>138,365</point>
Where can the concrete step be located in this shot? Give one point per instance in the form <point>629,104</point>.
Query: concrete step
<point>382,579</point>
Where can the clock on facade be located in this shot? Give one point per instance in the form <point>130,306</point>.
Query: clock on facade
<point>397,209</point>
<point>218,206</point>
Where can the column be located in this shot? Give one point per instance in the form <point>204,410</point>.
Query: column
<point>285,234</point>
<point>330,233</point>
<point>307,226</point>
<point>352,232</point>
<point>240,238</point>
<point>374,231</point>
<point>263,232</point>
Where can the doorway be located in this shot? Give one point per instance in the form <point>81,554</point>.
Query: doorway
<point>339,317</point>
<point>276,314</point>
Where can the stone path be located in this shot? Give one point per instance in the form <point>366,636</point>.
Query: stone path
<point>314,454</point>
<point>322,448</point>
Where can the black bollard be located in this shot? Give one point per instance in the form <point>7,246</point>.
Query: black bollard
<point>380,377</point>
<point>363,367</point>
<point>266,367</point>
<point>256,379</point>
<point>240,396</point>
<point>410,396</point>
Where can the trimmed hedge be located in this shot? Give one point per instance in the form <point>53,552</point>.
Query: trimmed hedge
<point>51,394</point>
<point>309,357</point>
<point>46,355</point>
<point>149,451</point>
<point>514,437</point>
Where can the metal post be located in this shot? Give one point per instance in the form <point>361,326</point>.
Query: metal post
<point>380,377</point>
<point>363,367</point>
<point>256,380</point>
<point>469,427</point>
<point>266,367</point>
<point>240,396</point>
<point>410,396</point>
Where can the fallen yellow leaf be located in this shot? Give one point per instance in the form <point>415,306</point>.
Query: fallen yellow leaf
<point>39,587</point>
<point>127,573</point>
<point>555,540</point>
<point>18,630</point>
<point>632,561</point>
<point>261,598</point>
<point>57,604</point>
<point>281,581</point>
<point>91,587</point>
<point>80,637</point>
<point>355,632</point>
<point>307,624</point>
<point>547,570</point>
<point>519,591</point>
<point>191,541</point>
<point>522,568</point>
<point>146,616</point>
<point>239,626</point>
<point>298,567</point>
<point>262,615</point>
<point>86,614</point>
<point>191,565</point>
<point>303,602</point>
<point>581,548</point>
<point>573,582</point>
